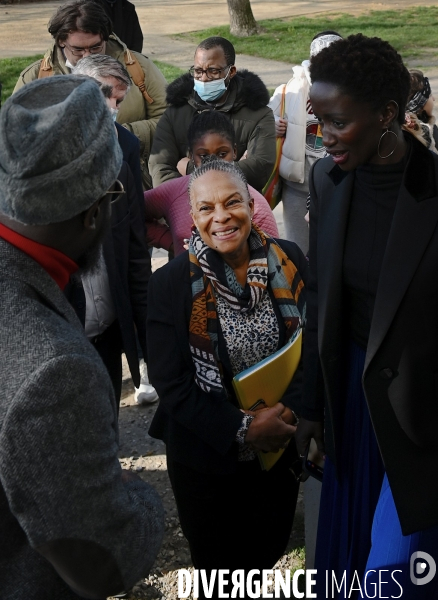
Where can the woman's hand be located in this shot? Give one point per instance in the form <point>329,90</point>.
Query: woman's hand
<point>280,127</point>
<point>268,431</point>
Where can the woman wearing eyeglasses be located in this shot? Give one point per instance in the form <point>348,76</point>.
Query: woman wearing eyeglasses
<point>213,83</point>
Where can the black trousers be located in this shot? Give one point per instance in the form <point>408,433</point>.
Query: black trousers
<point>109,345</point>
<point>236,521</point>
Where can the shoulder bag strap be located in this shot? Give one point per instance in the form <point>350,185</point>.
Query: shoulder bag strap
<point>46,69</point>
<point>137,74</point>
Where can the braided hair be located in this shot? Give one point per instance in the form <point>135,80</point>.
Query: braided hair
<point>213,163</point>
<point>209,121</point>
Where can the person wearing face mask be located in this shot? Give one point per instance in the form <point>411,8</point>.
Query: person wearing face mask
<point>213,83</point>
<point>82,28</point>
<point>115,84</point>
<point>112,303</point>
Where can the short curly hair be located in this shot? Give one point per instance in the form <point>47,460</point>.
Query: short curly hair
<point>367,69</point>
<point>80,15</point>
<point>217,41</point>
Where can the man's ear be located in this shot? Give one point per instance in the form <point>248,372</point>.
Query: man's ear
<point>235,152</point>
<point>232,72</point>
<point>91,215</point>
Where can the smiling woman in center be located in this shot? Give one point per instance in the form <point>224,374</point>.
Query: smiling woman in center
<point>232,300</point>
<point>222,212</point>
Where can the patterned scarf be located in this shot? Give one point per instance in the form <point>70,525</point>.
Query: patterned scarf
<point>419,99</point>
<point>210,275</point>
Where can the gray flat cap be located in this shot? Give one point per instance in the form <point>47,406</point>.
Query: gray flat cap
<point>59,151</point>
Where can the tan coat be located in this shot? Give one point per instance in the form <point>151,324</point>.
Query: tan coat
<point>135,113</point>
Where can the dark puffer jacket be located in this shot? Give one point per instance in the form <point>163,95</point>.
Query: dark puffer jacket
<point>246,105</point>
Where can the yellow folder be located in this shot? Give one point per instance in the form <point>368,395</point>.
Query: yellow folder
<point>268,380</point>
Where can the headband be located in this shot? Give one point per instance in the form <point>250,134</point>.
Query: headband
<point>322,42</point>
<point>419,99</point>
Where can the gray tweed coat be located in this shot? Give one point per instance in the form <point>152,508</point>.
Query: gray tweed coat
<point>69,527</point>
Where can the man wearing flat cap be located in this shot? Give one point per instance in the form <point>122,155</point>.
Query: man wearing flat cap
<point>73,524</point>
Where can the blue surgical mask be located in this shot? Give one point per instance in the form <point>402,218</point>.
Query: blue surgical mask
<point>210,90</point>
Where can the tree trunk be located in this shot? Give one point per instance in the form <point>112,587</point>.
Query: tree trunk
<point>242,22</point>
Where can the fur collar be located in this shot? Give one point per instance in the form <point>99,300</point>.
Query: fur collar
<point>252,92</point>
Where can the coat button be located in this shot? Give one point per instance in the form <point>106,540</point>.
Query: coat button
<point>386,373</point>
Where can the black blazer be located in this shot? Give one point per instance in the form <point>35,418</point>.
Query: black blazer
<point>130,147</point>
<point>128,265</point>
<point>401,368</point>
<point>198,428</point>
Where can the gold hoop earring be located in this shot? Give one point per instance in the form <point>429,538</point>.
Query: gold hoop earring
<point>380,141</point>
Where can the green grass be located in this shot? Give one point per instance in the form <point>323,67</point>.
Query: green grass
<point>411,31</point>
<point>10,69</point>
<point>298,556</point>
<point>169,71</point>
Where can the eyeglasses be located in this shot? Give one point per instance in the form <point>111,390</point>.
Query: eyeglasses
<point>211,72</point>
<point>81,51</point>
<point>117,192</point>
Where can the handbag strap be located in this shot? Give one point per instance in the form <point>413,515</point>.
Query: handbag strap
<point>283,101</point>
<point>46,68</point>
<point>137,74</point>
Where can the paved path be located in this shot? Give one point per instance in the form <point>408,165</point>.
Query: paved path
<point>23,27</point>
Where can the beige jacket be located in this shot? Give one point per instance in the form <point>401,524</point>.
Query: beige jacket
<point>135,113</point>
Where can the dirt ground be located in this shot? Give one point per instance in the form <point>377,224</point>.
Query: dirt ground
<point>146,457</point>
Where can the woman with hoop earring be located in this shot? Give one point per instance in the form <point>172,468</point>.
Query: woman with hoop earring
<point>371,354</point>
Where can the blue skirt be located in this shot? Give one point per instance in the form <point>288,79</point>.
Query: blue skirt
<point>348,503</point>
<point>411,559</point>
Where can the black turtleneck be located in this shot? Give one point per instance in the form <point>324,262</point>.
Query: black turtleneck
<point>372,208</point>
